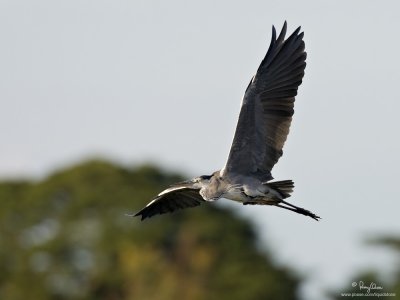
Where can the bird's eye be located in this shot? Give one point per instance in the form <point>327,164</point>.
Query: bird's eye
<point>205,177</point>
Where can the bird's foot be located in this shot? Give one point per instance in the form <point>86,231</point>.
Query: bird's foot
<point>298,210</point>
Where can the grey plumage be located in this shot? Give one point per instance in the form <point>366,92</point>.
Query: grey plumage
<point>267,108</point>
<point>261,132</point>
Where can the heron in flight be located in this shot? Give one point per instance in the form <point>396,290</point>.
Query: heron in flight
<point>262,129</point>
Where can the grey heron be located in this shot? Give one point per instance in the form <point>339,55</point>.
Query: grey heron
<point>263,125</point>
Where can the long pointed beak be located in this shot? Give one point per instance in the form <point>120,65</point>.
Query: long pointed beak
<point>185,183</point>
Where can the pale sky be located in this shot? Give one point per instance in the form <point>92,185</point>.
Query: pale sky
<point>162,81</point>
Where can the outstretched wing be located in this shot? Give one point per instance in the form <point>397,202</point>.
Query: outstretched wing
<point>171,200</point>
<point>267,108</point>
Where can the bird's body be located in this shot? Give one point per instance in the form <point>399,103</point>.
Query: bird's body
<point>262,129</point>
<point>240,188</point>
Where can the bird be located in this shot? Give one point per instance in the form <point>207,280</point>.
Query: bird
<point>262,129</point>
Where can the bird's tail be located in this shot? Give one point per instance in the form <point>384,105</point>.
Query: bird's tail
<point>284,187</point>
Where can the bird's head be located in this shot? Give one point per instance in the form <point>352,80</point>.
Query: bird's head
<point>202,180</point>
<point>210,186</point>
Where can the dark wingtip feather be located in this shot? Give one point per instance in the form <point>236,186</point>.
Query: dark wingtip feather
<point>296,32</point>
<point>132,215</point>
<point>144,214</point>
<point>138,214</point>
<point>141,215</point>
<point>273,39</point>
<point>282,35</point>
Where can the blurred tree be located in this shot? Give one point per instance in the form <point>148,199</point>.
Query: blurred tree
<point>372,276</point>
<point>67,237</point>
<point>392,243</point>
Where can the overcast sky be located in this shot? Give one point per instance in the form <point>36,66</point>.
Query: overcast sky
<point>162,81</point>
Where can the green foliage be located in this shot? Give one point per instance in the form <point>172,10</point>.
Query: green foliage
<point>372,277</point>
<point>67,237</point>
<point>392,243</point>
